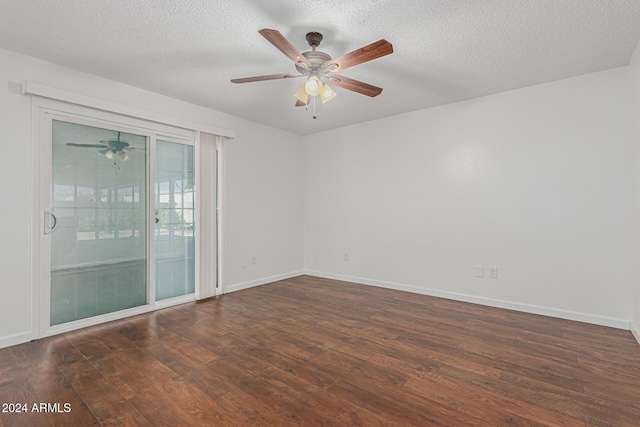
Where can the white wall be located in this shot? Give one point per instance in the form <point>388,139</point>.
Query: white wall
<point>263,185</point>
<point>536,181</point>
<point>634,69</point>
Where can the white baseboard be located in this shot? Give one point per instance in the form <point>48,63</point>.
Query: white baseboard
<point>15,339</point>
<point>262,281</point>
<point>19,338</point>
<point>527,308</point>
<point>635,330</point>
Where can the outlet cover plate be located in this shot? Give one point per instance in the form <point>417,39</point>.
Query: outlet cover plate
<point>493,272</point>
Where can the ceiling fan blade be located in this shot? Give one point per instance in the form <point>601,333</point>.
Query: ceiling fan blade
<point>364,54</point>
<point>71,144</point>
<point>354,85</point>
<point>282,44</point>
<point>300,103</point>
<point>269,77</point>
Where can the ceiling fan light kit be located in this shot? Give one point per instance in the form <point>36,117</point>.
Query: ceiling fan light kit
<point>316,66</point>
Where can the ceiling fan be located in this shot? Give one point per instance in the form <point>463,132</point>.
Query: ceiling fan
<point>112,149</point>
<point>319,67</point>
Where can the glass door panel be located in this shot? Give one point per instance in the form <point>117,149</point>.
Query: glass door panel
<point>175,220</point>
<point>99,245</point>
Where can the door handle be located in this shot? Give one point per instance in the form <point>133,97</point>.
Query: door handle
<point>50,222</point>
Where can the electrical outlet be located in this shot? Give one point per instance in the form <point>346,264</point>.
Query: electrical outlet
<point>479,271</point>
<point>346,256</point>
<point>253,260</point>
<point>245,262</point>
<point>493,272</point>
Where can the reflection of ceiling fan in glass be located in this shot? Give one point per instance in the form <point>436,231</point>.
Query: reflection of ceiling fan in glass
<point>113,149</point>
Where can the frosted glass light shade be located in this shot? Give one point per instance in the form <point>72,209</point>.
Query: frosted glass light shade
<point>313,86</point>
<point>122,156</point>
<point>110,155</point>
<point>302,95</point>
<point>327,93</point>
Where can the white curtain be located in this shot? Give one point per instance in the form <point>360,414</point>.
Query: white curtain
<point>206,226</point>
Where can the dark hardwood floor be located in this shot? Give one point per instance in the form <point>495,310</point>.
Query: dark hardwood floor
<point>309,351</point>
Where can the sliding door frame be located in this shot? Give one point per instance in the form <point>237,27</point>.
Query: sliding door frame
<point>44,111</point>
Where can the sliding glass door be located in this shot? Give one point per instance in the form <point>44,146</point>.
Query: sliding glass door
<point>119,220</point>
<point>99,236</point>
<point>175,220</point>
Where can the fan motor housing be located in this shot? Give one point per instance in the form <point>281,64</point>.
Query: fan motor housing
<point>316,58</point>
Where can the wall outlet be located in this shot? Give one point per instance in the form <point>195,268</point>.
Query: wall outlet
<point>479,271</point>
<point>346,256</point>
<point>253,260</point>
<point>245,262</point>
<point>493,272</point>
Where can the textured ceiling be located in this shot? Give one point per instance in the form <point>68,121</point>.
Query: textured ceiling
<point>445,50</point>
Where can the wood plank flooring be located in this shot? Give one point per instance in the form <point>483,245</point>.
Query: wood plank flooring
<point>318,352</point>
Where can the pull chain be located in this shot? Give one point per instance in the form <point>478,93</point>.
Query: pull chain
<point>314,108</point>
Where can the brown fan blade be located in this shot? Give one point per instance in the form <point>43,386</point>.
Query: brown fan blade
<point>300,103</point>
<point>354,85</point>
<point>282,44</point>
<point>269,77</point>
<point>358,56</point>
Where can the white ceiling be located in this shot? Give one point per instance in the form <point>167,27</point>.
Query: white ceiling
<point>445,50</point>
